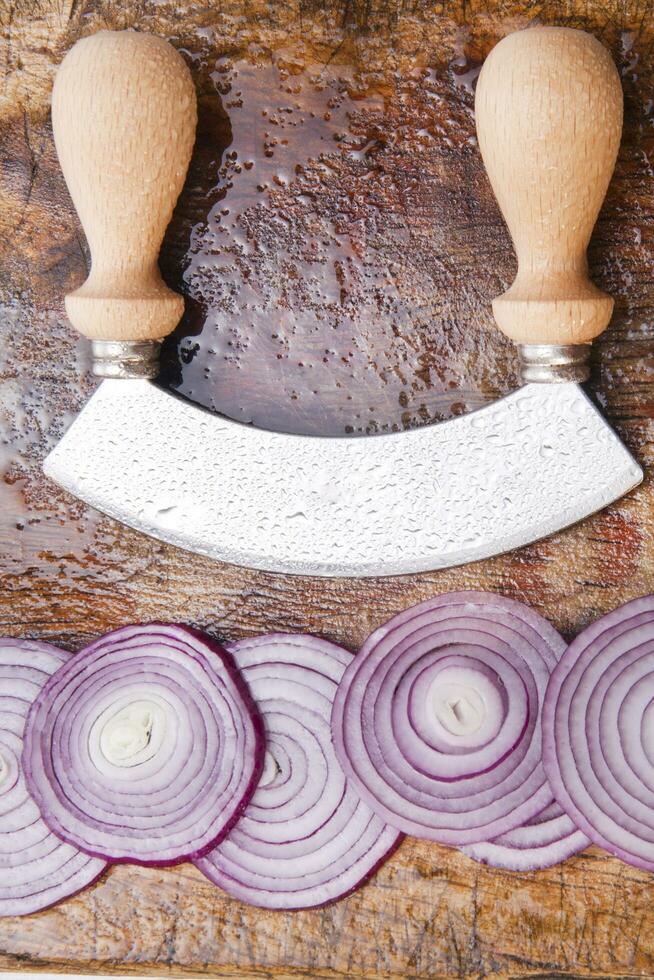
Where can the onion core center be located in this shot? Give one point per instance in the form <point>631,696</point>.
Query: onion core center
<point>126,735</point>
<point>458,707</point>
<point>271,769</point>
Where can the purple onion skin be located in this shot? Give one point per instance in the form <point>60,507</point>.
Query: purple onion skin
<point>606,626</point>
<point>352,718</point>
<point>231,669</point>
<point>35,646</point>
<point>276,651</point>
<point>369,875</point>
<point>260,736</point>
<point>506,853</point>
<point>64,898</point>
<point>257,723</point>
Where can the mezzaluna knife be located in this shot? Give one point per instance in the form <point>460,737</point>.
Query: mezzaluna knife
<point>549,120</point>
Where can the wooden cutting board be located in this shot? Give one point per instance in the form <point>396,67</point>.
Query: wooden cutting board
<point>339,246</point>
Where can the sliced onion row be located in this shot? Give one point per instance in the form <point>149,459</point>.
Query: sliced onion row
<point>598,727</point>
<point>437,720</point>
<point>145,747</point>
<point>155,745</point>
<point>306,838</point>
<point>36,868</point>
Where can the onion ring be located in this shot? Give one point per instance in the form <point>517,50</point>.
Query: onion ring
<point>437,718</point>
<point>145,747</point>
<point>306,838</point>
<point>598,732</point>
<point>545,840</point>
<point>37,869</point>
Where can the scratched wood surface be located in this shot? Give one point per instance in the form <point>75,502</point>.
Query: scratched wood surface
<point>338,246</point>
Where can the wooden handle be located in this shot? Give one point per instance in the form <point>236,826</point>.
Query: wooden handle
<point>549,119</point>
<point>124,116</point>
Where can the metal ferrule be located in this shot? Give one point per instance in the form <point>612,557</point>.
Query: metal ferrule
<point>554,363</point>
<point>126,358</point>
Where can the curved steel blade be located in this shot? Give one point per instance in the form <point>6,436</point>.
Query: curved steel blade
<point>481,484</point>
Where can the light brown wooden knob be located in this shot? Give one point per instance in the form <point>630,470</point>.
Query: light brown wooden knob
<point>124,117</point>
<point>549,118</point>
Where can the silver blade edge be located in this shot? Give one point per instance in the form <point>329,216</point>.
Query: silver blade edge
<point>482,484</point>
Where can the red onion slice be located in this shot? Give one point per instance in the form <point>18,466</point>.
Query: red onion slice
<point>598,732</point>
<point>545,840</point>
<point>36,868</point>
<point>145,747</point>
<point>306,838</point>
<point>437,718</point>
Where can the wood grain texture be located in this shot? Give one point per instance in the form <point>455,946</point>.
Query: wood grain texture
<point>555,94</point>
<point>123,117</point>
<point>376,229</point>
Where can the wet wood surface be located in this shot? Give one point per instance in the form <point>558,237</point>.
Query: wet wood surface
<point>338,245</point>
